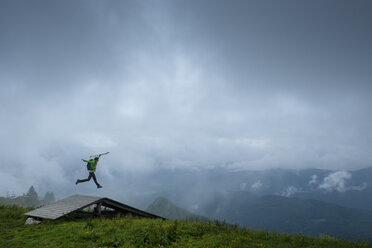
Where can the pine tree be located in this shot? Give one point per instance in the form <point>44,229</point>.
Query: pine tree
<point>49,198</point>
<point>31,198</point>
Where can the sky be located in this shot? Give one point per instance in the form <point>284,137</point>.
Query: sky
<point>249,85</point>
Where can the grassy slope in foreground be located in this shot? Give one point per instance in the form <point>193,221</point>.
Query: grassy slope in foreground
<point>134,232</point>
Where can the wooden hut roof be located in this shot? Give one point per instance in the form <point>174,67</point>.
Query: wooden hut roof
<point>76,203</point>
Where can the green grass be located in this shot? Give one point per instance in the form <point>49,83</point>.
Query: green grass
<point>136,232</point>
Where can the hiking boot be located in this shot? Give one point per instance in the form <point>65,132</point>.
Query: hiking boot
<point>99,186</point>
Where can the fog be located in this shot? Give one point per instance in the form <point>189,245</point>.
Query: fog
<point>181,85</point>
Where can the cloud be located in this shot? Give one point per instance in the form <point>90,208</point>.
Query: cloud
<point>256,185</point>
<point>171,84</point>
<point>313,180</point>
<point>361,187</point>
<point>243,186</point>
<point>336,181</point>
<point>95,141</point>
<point>290,191</point>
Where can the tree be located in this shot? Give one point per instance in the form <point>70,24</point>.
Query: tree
<point>49,198</point>
<point>31,198</point>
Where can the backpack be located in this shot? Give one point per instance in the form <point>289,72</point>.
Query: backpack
<point>89,166</point>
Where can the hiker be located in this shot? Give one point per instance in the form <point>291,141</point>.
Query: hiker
<point>91,166</point>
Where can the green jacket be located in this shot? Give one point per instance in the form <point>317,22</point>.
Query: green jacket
<point>92,165</point>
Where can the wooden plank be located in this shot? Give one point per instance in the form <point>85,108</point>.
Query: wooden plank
<point>63,207</point>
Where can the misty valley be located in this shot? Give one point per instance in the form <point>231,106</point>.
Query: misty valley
<point>310,201</point>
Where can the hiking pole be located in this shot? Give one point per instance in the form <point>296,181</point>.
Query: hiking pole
<point>98,155</point>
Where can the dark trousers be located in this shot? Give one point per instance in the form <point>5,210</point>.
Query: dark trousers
<point>91,174</point>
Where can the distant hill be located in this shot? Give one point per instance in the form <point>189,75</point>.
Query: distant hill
<point>346,188</point>
<point>274,213</point>
<point>311,201</point>
<point>165,208</point>
<point>283,214</point>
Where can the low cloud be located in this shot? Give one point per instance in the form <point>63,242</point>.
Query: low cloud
<point>256,185</point>
<point>243,186</point>
<point>290,191</point>
<point>313,180</point>
<point>337,182</point>
<point>359,187</point>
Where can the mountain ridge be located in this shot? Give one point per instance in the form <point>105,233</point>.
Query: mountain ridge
<point>285,215</point>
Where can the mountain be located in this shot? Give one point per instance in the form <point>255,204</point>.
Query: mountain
<point>275,213</point>
<point>289,215</point>
<point>165,208</point>
<point>311,201</point>
<point>346,188</point>
<point>352,199</point>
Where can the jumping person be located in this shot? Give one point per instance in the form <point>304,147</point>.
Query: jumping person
<point>91,166</point>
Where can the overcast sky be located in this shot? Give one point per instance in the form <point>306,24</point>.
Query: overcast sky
<point>182,84</point>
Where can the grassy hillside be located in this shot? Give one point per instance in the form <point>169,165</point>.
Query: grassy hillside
<point>165,208</point>
<point>135,232</point>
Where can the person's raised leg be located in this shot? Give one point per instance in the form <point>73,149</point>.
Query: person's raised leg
<point>84,180</point>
